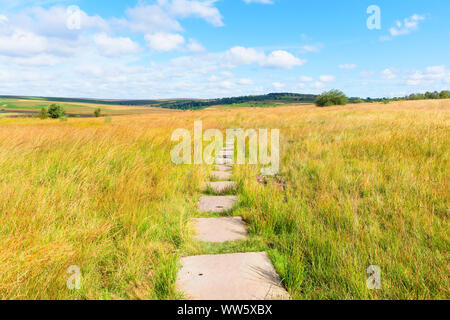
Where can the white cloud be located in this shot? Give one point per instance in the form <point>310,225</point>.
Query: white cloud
<point>227,74</point>
<point>367,74</point>
<point>283,59</point>
<point>347,66</point>
<point>3,19</point>
<point>317,85</point>
<point>22,43</point>
<point>278,85</point>
<point>306,79</point>
<point>195,46</point>
<point>245,81</point>
<point>388,74</point>
<point>227,84</point>
<point>201,9</point>
<point>429,76</point>
<point>436,70</point>
<point>311,48</point>
<point>327,78</point>
<point>147,19</point>
<point>412,82</point>
<point>110,46</point>
<point>161,41</point>
<point>276,59</point>
<point>406,26</point>
<point>52,22</point>
<point>39,60</point>
<point>241,55</point>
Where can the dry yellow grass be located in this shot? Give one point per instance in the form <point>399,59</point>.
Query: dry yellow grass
<point>366,184</point>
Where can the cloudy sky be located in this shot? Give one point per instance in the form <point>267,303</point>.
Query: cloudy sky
<point>215,48</point>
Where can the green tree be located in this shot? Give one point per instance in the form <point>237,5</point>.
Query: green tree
<point>331,98</point>
<point>55,111</point>
<point>97,112</point>
<point>43,114</point>
<point>444,94</point>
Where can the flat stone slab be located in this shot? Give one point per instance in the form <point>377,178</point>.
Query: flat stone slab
<point>239,276</point>
<point>223,167</point>
<point>224,161</point>
<point>220,230</point>
<point>226,153</point>
<point>222,175</point>
<point>221,186</point>
<point>216,203</point>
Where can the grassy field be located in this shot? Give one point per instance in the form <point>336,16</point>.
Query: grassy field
<point>33,106</point>
<point>364,184</point>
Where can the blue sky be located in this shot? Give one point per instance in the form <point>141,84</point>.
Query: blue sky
<point>207,48</point>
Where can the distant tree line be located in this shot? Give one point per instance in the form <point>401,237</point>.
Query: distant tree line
<point>444,94</point>
<point>275,97</point>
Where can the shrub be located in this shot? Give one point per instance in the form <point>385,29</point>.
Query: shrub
<point>97,112</point>
<point>43,114</point>
<point>55,111</point>
<point>331,98</point>
<point>358,101</point>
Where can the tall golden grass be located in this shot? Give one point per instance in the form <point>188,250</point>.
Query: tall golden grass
<point>365,185</point>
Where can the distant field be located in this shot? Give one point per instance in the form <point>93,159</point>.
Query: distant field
<point>32,106</point>
<point>365,184</point>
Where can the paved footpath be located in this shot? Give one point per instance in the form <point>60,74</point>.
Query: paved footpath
<point>237,276</point>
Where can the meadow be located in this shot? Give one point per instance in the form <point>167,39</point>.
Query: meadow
<point>32,106</point>
<point>359,185</point>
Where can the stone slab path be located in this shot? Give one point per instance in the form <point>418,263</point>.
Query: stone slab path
<point>221,187</point>
<point>224,161</point>
<point>223,167</point>
<point>238,276</point>
<point>222,175</point>
<point>216,203</point>
<point>220,230</point>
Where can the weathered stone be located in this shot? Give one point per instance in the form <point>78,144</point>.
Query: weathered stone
<point>226,153</point>
<point>224,161</point>
<point>223,167</point>
<point>222,186</point>
<point>216,203</point>
<point>239,276</point>
<point>222,175</point>
<point>219,230</point>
